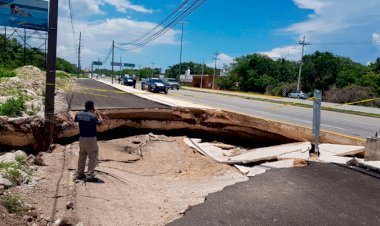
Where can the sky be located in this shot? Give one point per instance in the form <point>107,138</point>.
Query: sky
<point>348,28</point>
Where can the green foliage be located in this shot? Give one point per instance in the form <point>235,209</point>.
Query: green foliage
<point>12,56</point>
<point>15,171</point>
<point>195,68</point>
<point>13,107</point>
<point>5,73</point>
<point>14,204</point>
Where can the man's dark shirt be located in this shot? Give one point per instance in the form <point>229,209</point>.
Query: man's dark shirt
<point>87,123</point>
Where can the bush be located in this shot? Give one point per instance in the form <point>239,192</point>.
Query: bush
<point>4,73</point>
<point>350,94</point>
<point>282,90</point>
<point>14,204</point>
<point>13,107</point>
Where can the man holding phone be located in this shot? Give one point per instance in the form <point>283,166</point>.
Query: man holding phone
<point>88,146</point>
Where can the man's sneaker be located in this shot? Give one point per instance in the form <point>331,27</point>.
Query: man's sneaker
<point>92,179</point>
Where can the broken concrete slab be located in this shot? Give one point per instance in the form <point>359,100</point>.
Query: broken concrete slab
<point>340,150</point>
<point>243,169</point>
<point>209,149</point>
<point>293,150</point>
<point>287,151</point>
<point>334,159</point>
<point>259,169</point>
<point>256,170</point>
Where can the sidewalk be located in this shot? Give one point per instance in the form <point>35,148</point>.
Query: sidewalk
<point>368,110</point>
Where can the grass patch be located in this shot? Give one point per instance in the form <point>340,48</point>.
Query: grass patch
<point>14,204</point>
<point>4,73</point>
<point>13,107</point>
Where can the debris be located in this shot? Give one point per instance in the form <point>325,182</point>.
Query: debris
<point>11,156</point>
<point>225,146</point>
<point>293,150</point>
<point>256,170</point>
<point>31,159</point>
<point>334,159</point>
<point>70,205</point>
<point>243,169</point>
<point>4,182</point>
<point>270,165</point>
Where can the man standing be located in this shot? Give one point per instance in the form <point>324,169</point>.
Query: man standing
<point>88,146</point>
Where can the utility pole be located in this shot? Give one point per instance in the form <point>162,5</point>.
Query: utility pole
<point>216,59</point>
<point>303,43</point>
<point>113,55</point>
<point>51,60</point>
<point>180,53</point>
<point>121,68</point>
<point>203,65</point>
<point>152,68</point>
<point>80,37</point>
<point>48,128</point>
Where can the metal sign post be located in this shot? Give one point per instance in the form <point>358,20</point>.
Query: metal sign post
<point>317,117</point>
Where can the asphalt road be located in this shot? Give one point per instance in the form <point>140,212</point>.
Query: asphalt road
<point>319,194</point>
<point>353,125</point>
<point>105,97</point>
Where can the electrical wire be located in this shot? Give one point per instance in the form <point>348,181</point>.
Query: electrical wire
<point>150,36</point>
<point>158,25</point>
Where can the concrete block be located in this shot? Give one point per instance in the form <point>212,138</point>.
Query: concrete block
<point>372,149</point>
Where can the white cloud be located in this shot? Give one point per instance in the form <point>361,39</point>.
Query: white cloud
<point>315,5</point>
<point>223,59</point>
<point>330,16</point>
<point>97,36</point>
<point>287,52</point>
<point>124,5</point>
<point>82,8</point>
<point>376,39</point>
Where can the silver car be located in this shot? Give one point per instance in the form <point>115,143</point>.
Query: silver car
<point>298,94</point>
<point>173,83</point>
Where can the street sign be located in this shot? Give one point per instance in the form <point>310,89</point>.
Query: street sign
<point>317,117</point>
<point>118,64</point>
<point>129,65</point>
<point>99,63</point>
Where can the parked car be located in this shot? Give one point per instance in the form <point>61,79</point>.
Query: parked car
<point>298,94</point>
<point>128,81</point>
<point>173,83</point>
<point>154,85</point>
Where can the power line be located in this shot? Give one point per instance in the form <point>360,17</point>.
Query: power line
<point>158,25</point>
<point>146,40</point>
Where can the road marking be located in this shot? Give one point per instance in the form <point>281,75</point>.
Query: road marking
<point>335,127</point>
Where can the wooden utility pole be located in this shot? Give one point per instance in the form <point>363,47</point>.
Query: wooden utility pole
<point>51,59</point>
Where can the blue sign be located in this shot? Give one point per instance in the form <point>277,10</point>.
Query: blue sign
<point>29,14</point>
<point>129,65</point>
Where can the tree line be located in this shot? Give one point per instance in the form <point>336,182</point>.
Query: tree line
<point>14,55</point>
<point>341,79</point>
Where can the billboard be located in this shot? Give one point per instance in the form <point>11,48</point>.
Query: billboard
<point>129,65</point>
<point>29,14</point>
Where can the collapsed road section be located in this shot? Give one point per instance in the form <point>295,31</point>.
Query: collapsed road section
<point>254,131</point>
